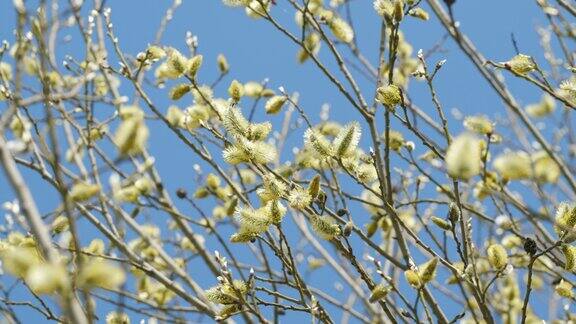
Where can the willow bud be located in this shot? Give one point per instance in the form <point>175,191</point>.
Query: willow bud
<point>274,104</point>
<point>479,124</point>
<point>223,65</point>
<point>212,181</point>
<point>398,10</point>
<point>236,90</point>
<point>193,65</point>
<point>427,271</point>
<point>83,191</point>
<point>441,223</point>
<point>60,224</point>
<point>341,29</point>
<point>379,292</point>
<point>570,255</point>
<point>413,278</point>
<point>419,13</point>
<point>179,91</point>
<point>314,187</point>
<point>155,53</point>
<point>564,289</point>
<point>347,230</point>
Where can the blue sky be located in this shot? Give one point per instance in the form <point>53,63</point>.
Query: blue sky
<point>256,51</point>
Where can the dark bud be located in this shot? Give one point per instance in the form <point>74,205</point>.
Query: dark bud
<point>253,240</point>
<point>458,317</point>
<point>342,212</point>
<point>181,193</point>
<point>348,229</point>
<point>453,213</point>
<point>530,246</point>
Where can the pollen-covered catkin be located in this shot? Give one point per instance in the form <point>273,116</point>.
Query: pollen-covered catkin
<point>100,273</point>
<point>325,227</point>
<point>235,122</point>
<point>463,157</point>
<point>318,142</point>
<point>276,211</point>
<point>390,96</point>
<point>347,140</point>
<point>251,220</point>
<point>341,29</point>
<point>565,219</point>
<point>521,64</point>
<point>176,64</point>
<point>514,165</point>
<point>497,256</point>
<point>570,256</point>
<point>299,198</point>
<point>47,278</point>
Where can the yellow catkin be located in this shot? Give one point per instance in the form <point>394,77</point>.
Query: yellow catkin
<point>570,256</point>
<point>83,191</point>
<point>427,271</point>
<point>514,166</point>
<point>463,157</point>
<point>347,140</point>
<point>390,96</point>
<point>497,256</point>
<point>521,64</point>
<point>47,278</point>
<point>413,278</point>
<point>379,292</point>
<point>274,104</point>
<point>314,187</point>
<point>565,289</point>
<point>324,227</point>
<point>99,273</point>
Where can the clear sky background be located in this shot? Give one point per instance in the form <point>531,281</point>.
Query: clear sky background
<point>256,51</point>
